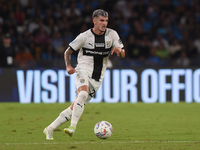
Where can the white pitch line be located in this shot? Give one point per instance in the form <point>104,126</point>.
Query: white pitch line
<point>166,141</point>
<point>104,142</point>
<point>30,143</point>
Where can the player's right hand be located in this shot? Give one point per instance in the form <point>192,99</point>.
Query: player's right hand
<point>70,70</point>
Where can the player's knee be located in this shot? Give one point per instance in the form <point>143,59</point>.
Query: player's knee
<point>82,96</point>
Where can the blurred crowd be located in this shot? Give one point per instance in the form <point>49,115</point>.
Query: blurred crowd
<point>154,32</point>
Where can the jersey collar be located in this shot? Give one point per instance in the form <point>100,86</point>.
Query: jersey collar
<point>97,34</point>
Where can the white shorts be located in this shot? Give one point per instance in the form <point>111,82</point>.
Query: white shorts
<point>82,78</point>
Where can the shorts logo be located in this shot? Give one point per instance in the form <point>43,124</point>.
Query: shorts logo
<point>82,80</point>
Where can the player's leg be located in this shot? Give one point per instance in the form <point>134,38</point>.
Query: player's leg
<point>78,109</point>
<point>64,116</point>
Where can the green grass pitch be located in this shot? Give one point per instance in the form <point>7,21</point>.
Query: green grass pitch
<point>135,127</point>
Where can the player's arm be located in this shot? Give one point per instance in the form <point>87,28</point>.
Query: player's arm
<point>118,45</point>
<point>121,54</point>
<point>67,57</point>
<point>119,51</point>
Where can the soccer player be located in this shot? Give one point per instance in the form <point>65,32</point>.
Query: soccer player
<point>95,46</point>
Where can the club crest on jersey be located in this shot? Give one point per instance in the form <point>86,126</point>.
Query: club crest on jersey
<point>82,80</point>
<point>108,43</point>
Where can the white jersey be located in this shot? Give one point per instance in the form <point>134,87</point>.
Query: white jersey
<point>94,51</point>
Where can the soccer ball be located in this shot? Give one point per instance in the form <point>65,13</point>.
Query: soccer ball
<point>103,129</point>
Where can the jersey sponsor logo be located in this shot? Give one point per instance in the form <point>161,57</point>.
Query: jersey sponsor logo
<point>96,52</point>
<point>99,44</point>
<point>93,52</point>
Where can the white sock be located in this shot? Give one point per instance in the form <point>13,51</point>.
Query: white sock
<point>78,108</point>
<point>64,116</point>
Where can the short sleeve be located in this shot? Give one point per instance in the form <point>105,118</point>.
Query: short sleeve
<point>116,40</point>
<point>77,43</point>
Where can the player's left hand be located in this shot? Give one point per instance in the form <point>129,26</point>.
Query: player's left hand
<point>116,50</point>
<point>120,52</point>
